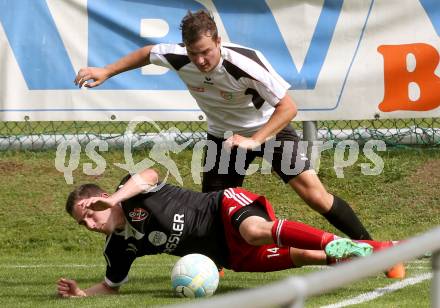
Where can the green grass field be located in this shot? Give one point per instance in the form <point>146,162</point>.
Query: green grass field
<point>39,242</point>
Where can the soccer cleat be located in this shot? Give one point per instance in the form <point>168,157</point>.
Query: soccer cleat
<point>345,248</point>
<point>428,254</point>
<point>334,261</point>
<point>221,272</point>
<point>396,272</point>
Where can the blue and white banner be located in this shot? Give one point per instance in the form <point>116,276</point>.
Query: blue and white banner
<point>345,59</point>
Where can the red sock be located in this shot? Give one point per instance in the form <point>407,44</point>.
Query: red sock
<point>376,245</point>
<point>299,235</point>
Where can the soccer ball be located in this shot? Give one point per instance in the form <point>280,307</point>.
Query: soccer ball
<point>194,275</point>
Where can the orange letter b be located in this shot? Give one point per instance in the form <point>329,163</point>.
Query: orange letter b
<point>397,77</point>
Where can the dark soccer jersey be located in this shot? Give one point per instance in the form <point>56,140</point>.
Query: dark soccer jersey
<point>170,220</point>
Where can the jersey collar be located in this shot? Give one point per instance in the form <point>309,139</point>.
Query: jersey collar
<point>218,67</point>
<point>130,231</point>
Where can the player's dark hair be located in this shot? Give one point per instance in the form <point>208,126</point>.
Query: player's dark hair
<point>82,192</point>
<point>196,24</point>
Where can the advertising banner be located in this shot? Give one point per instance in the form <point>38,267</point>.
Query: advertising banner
<point>344,59</point>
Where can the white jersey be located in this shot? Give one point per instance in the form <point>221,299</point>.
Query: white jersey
<point>238,95</point>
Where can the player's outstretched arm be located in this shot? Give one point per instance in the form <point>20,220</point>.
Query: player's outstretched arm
<point>97,203</point>
<point>67,288</point>
<point>139,183</point>
<point>90,77</point>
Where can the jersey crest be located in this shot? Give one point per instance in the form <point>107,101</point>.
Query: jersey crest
<point>138,214</point>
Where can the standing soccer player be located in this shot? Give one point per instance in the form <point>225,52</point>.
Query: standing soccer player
<point>241,94</point>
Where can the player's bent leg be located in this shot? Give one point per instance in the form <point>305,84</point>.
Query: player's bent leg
<point>269,258</point>
<point>256,230</point>
<point>308,186</point>
<point>299,235</point>
<point>302,257</point>
<point>334,209</point>
<point>266,258</point>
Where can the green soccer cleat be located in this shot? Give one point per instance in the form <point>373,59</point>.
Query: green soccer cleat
<point>346,248</point>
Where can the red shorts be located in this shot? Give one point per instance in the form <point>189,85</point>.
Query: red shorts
<point>244,257</point>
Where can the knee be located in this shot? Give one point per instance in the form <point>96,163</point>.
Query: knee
<point>319,200</point>
<point>256,234</point>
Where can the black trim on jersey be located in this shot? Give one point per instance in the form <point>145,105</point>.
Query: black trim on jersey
<point>251,54</point>
<point>123,181</point>
<point>253,209</point>
<point>235,71</point>
<point>257,100</point>
<point>177,61</point>
<point>119,257</point>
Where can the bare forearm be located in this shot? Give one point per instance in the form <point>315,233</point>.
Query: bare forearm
<point>100,289</point>
<point>139,183</point>
<point>284,112</point>
<point>69,288</point>
<point>131,61</point>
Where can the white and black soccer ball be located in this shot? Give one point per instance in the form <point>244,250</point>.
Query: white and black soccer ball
<point>194,275</point>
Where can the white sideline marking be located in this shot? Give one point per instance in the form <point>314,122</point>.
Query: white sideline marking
<point>365,297</point>
<point>49,265</point>
<point>407,266</point>
<point>415,264</point>
<point>24,266</point>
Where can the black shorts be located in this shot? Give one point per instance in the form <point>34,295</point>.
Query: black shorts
<point>286,154</point>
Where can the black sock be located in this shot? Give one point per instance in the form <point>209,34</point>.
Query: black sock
<point>342,216</point>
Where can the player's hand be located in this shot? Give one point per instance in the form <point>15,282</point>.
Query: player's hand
<point>96,203</point>
<point>97,74</point>
<point>69,288</point>
<point>241,142</point>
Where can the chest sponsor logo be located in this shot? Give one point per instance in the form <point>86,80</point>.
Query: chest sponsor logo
<point>208,81</point>
<point>195,89</point>
<point>157,238</point>
<point>138,214</point>
<point>226,95</point>
<point>176,233</point>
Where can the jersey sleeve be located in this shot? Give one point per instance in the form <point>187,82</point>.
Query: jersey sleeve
<point>172,56</point>
<point>123,181</point>
<point>271,91</point>
<point>119,255</point>
<point>271,86</point>
<point>257,73</point>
